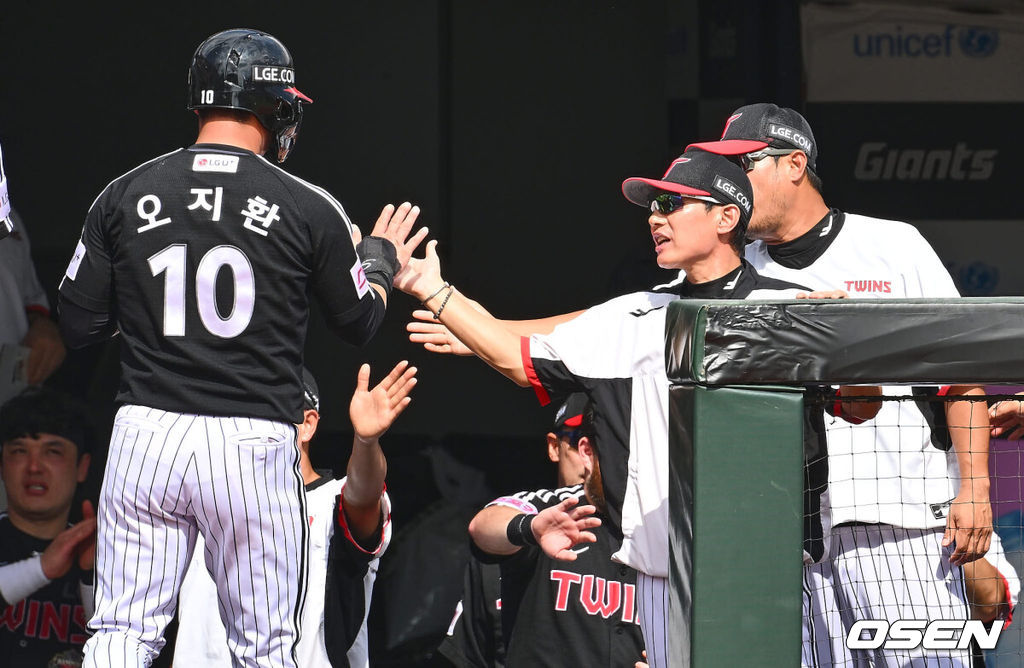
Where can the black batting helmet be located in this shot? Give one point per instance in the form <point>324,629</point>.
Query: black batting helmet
<point>249,70</point>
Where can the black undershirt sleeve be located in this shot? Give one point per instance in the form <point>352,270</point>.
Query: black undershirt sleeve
<point>80,327</point>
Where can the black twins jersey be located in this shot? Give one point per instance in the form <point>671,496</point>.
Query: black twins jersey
<point>206,257</point>
<point>50,620</point>
<point>568,613</point>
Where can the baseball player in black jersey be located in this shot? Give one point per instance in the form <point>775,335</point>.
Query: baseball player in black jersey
<point>45,562</point>
<point>203,259</point>
<point>557,609</point>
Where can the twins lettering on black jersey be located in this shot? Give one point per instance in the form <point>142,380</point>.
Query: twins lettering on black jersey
<point>46,620</point>
<point>594,595</point>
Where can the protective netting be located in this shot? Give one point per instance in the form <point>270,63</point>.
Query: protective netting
<point>913,532</point>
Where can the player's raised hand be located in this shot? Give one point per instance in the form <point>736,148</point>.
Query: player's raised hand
<point>395,224</point>
<point>969,525</point>
<point>560,528</point>
<point>421,278</point>
<point>69,544</point>
<point>372,412</point>
<point>1006,419</point>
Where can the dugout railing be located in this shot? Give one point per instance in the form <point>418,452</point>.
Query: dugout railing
<point>738,372</point>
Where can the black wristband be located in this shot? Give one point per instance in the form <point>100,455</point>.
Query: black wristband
<point>519,530</point>
<point>380,261</point>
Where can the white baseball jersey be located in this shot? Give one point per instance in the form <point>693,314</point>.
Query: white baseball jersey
<point>201,630</point>
<point>615,352</point>
<point>885,470</point>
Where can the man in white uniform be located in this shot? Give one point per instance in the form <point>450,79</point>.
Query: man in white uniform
<point>901,529</point>
<point>614,352</point>
<point>348,535</point>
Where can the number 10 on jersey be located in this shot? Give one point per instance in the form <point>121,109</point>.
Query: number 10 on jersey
<point>172,262</point>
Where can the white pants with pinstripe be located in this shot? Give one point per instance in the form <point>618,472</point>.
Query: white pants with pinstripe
<point>886,572</point>
<point>652,609</point>
<point>235,480</point>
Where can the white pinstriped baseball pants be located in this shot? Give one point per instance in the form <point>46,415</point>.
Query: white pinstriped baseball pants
<point>237,481</point>
<point>652,610</point>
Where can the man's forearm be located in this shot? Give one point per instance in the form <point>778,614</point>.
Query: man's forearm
<point>364,486</point>
<point>489,530</point>
<point>969,430</point>
<point>480,332</point>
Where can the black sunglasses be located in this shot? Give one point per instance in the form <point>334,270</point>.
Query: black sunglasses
<point>666,203</point>
<point>747,160</point>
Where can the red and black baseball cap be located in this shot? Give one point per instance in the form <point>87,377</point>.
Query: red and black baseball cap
<point>763,125</point>
<point>570,413</point>
<point>699,174</point>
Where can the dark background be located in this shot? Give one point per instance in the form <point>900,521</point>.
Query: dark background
<point>512,125</point>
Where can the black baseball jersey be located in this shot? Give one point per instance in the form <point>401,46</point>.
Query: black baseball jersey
<point>567,613</point>
<point>474,638</point>
<point>48,622</point>
<point>615,352</point>
<point>206,258</point>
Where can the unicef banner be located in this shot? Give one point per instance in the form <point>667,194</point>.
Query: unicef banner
<point>874,53</point>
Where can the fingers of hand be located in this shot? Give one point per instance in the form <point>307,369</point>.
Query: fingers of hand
<point>403,387</point>
<point>363,378</point>
<point>382,220</point>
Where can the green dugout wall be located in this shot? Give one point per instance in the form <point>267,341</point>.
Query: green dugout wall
<point>737,371</point>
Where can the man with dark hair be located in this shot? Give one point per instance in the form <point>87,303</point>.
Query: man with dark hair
<point>564,602</point>
<point>205,260</point>
<point>46,564</point>
<point>475,638</point>
<point>614,352</point>
<point>892,505</point>
<point>350,529</point>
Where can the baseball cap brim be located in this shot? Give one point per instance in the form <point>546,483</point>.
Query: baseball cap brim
<point>641,191</point>
<point>730,146</point>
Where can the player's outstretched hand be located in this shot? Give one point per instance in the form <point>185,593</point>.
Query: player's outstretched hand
<point>373,411</point>
<point>823,294</point>
<point>395,224</point>
<point>421,278</point>
<point>69,545</point>
<point>1007,419</point>
<point>560,528</point>
<point>434,336</point>
<point>969,525</point>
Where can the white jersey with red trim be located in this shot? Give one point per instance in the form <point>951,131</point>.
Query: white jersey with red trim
<point>615,352</point>
<point>202,640</point>
<point>885,470</point>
